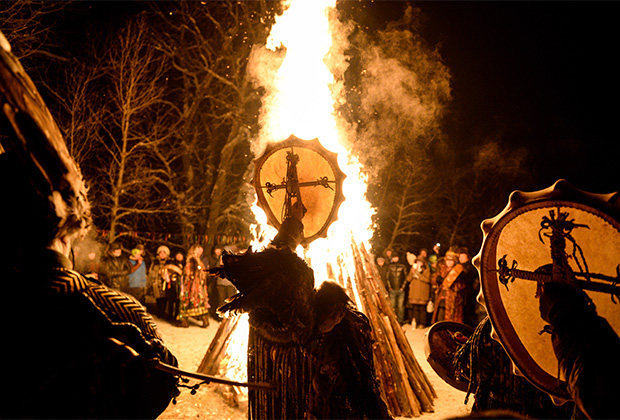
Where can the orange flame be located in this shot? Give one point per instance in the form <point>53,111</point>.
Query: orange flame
<point>302,93</point>
<point>301,97</point>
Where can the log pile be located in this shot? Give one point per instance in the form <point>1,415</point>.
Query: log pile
<point>404,386</point>
<point>217,350</point>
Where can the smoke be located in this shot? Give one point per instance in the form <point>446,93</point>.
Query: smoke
<point>403,89</point>
<point>493,158</point>
<point>263,65</point>
<point>84,246</point>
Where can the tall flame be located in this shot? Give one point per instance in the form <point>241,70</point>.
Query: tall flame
<point>300,99</point>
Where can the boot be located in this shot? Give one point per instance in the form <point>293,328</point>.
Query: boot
<point>205,321</point>
<point>183,323</point>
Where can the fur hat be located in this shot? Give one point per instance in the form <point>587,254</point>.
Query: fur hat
<point>450,255</point>
<point>42,169</point>
<point>165,249</point>
<point>462,250</point>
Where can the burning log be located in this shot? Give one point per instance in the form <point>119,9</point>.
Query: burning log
<point>210,364</point>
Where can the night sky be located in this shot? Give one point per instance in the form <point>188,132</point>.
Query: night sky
<point>543,75</point>
<point>539,75</point>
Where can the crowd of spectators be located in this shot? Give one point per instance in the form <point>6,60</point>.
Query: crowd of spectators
<point>174,286</point>
<point>424,289</point>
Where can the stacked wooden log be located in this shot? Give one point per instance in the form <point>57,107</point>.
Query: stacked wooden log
<point>212,360</point>
<point>404,386</point>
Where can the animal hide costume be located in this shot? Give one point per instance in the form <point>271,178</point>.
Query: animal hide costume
<point>276,288</point>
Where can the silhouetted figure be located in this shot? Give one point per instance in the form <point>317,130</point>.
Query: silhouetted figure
<point>587,349</point>
<point>344,385</point>
<point>115,268</point>
<point>79,349</point>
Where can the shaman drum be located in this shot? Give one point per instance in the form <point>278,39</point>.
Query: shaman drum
<point>441,343</point>
<point>557,234</point>
<point>296,169</point>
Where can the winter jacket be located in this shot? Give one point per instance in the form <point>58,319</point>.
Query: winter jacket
<point>396,276</point>
<point>158,278</point>
<point>137,279</point>
<point>419,285</point>
<point>115,272</point>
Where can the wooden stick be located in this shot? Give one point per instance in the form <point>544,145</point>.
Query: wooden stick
<point>409,402</point>
<point>425,393</point>
<point>382,356</point>
<point>217,347</point>
<point>207,378</point>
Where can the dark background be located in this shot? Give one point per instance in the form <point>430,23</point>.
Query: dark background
<point>540,75</point>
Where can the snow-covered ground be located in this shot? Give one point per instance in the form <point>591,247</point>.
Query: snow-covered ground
<point>189,345</point>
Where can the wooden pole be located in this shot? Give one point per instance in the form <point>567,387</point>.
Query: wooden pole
<point>218,346</point>
<point>377,293</point>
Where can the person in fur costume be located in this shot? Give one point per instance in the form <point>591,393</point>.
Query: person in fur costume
<point>276,288</point>
<point>344,385</point>
<point>72,347</point>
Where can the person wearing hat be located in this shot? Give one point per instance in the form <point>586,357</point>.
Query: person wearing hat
<point>451,289</point>
<point>137,276</point>
<point>419,279</point>
<point>115,268</point>
<point>193,293</point>
<point>396,279</point>
<point>158,279</point>
<point>473,312</point>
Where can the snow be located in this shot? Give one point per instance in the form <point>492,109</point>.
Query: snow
<point>189,345</point>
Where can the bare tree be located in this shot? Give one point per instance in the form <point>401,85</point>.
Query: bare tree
<point>404,212</point>
<point>208,46</point>
<point>477,188</point>
<point>132,179</point>
<point>29,28</point>
<point>402,93</point>
<point>78,110</point>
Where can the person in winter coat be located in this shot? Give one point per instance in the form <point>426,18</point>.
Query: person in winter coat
<point>397,281</point>
<point>419,279</point>
<point>452,289</point>
<point>175,273</point>
<point>115,268</point>
<point>473,312</point>
<point>137,276</point>
<point>159,279</point>
<point>437,279</point>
